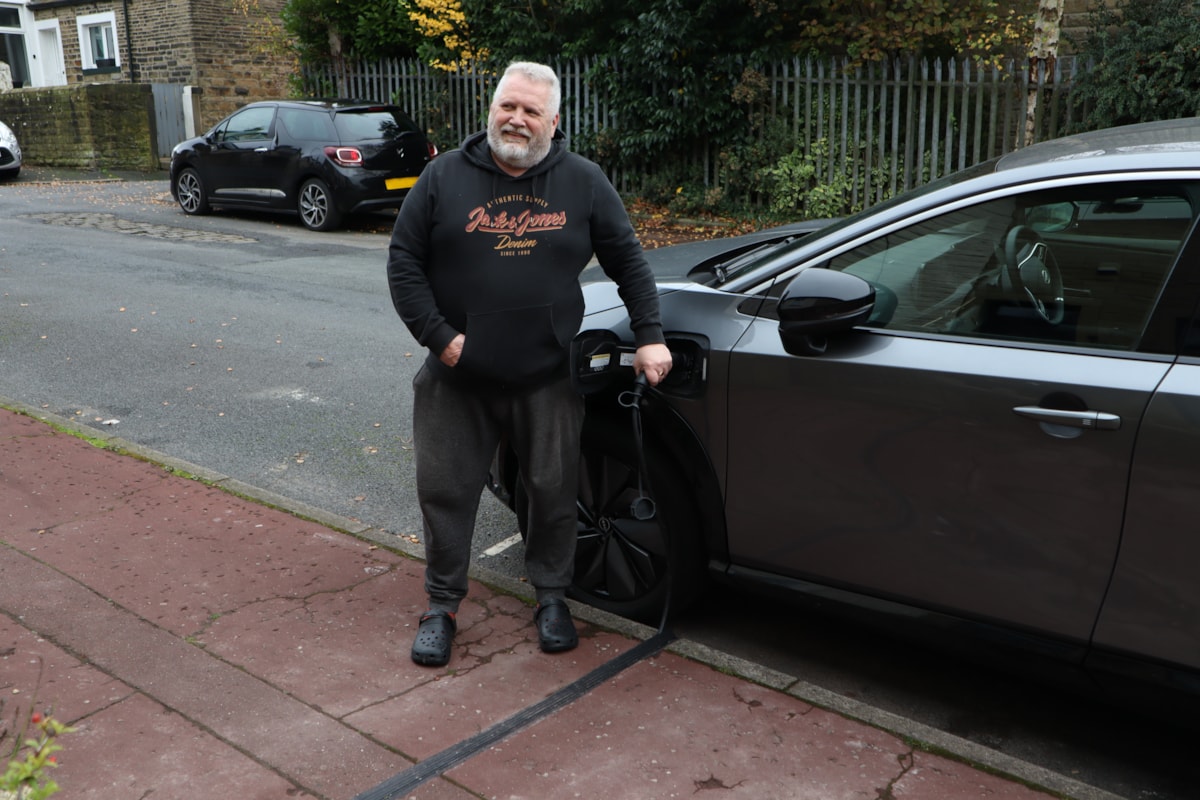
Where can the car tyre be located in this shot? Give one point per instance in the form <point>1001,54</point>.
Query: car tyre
<point>316,207</point>
<point>190,192</point>
<point>624,565</point>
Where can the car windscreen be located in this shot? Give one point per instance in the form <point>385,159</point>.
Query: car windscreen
<point>368,124</point>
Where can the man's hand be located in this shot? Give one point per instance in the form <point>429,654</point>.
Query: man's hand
<point>653,360</point>
<point>453,350</point>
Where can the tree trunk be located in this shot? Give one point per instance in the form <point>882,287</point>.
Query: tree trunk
<point>1043,52</point>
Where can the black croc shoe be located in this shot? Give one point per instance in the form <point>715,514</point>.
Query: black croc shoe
<point>431,648</point>
<point>556,629</point>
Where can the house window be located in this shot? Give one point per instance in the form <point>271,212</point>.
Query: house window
<point>12,45</point>
<point>98,40</point>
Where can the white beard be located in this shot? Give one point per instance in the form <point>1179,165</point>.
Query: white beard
<point>516,154</point>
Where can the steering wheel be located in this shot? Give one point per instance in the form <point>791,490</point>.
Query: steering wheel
<point>1033,270</point>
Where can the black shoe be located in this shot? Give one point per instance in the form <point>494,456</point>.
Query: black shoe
<point>556,629</point>
<point>434,637</point>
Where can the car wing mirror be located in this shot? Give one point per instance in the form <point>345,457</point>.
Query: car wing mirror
<point>819,302</point>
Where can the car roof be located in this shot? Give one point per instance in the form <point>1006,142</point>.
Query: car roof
<point>327,104</point>
<point>1148,147</point>
<point>1171,139</point>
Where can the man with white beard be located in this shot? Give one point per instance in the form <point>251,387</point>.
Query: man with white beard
<point>483,268</point>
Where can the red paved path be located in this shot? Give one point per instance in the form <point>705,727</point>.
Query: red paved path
<point>208,646</point>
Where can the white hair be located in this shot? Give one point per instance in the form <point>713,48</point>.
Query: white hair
<point>537,73</point>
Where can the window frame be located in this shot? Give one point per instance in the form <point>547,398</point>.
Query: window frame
<point>15,49</point>
<point>15,10</point>
<point>107,22</point>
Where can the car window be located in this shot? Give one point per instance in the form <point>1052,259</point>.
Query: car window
<point>307,125</point>
<point>248,125</point>
<point>1083,265</point>
<point>357,126</point>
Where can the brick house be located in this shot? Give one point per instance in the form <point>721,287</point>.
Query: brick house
<point>214,47</point>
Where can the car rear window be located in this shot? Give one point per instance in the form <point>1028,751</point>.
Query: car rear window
<point>307,125</point>
<point>372,124</point>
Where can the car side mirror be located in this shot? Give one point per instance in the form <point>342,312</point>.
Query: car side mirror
<point>818,302</point>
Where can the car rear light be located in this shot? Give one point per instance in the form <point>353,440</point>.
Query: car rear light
<point>432,149</point>
<point>345,156</point>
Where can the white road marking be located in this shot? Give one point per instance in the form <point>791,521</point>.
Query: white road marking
<point>500,547</point>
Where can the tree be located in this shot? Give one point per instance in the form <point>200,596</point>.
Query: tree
<point>875,30</point>
<point>512,30</point>
<point>671,66</point>
<point>1042,55</point>
<point>1146,64</point>
<point>447,34</point>
<point>327,30</point>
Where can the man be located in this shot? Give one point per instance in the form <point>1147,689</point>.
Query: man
<point>484,267</point>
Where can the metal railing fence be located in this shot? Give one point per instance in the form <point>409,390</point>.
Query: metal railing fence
<point>881,127</point>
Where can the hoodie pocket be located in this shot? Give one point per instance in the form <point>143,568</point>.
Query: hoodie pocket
<point>513,346</point>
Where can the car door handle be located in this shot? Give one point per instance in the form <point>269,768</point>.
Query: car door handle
<point>1089,420</point>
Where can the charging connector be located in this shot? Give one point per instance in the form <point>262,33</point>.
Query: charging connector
<point>642,508</point>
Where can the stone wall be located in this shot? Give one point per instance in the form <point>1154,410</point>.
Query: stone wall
<point>84,126</point>
<point>234,61</point>
<point>164,40</point>
<point>212,45</point>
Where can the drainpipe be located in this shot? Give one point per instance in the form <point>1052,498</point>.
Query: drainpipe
<point>133,76</point>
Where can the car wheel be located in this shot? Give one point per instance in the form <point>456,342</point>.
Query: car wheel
<point>190,191</point>
<point>316,208</point>
<point>625,563</point>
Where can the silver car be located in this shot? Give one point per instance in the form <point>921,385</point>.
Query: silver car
<point>10,153</point>
<point>970,407</point>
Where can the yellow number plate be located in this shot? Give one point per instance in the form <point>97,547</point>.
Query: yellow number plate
<point>400,183</point>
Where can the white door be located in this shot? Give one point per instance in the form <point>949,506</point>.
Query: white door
<point>49,56</point>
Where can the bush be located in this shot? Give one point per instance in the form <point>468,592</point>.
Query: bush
<point>1145,58</point>
<point>795,185</point>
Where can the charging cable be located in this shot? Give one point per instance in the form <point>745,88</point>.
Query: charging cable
<point>642,507</point>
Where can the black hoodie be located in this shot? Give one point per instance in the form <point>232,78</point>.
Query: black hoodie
<point>497,258</point>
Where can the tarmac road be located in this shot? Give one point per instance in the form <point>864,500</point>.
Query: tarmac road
<point>270,353</point>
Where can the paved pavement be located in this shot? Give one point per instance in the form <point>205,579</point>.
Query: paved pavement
<point>207,639</point>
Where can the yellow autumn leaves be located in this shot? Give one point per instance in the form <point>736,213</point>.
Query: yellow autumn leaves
<point>445,20</point>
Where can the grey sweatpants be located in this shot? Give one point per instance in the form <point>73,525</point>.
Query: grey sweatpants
<point>456,432</point>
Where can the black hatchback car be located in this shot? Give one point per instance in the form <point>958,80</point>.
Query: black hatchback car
<point>322,159</point>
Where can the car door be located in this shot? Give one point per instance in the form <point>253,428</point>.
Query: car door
<point>235,165</point>
<point>1153,604</point>
<point>968,450</point>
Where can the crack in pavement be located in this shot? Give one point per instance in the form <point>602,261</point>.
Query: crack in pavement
<point>906,761</point>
